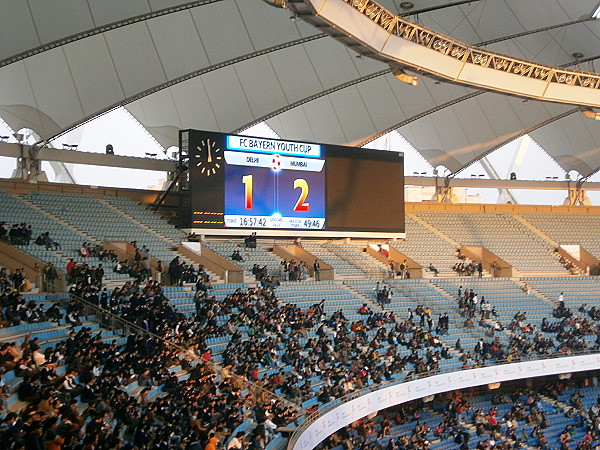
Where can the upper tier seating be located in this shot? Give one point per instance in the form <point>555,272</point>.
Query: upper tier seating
<point>569,229</point>
<point>15,210</point>
<point>100,222</point>
<point>501,234</point>
<point>426,247</point>
<point>143,215</point>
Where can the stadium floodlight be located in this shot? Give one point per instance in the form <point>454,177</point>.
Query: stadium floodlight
<point>590,114</point>
<point>404,77</point>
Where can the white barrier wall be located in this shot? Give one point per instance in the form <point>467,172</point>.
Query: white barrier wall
<point>351,411</point>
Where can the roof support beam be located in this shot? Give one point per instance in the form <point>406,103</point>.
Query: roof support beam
<point>86,158</point>
<point>491,171</point>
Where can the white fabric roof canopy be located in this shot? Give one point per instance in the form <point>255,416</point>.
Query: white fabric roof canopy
<point>222,65</point>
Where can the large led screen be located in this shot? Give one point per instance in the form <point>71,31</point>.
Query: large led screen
<point>239,182</point>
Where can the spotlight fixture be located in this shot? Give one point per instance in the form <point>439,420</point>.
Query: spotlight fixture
<point>577,55</point>
<point>404,77</point>
<point>406,6</point>
<point>294,18</point>
<point>590,114</point>
<point>277,3</point>
<point>596,14</point>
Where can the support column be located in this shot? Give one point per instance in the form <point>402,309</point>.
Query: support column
<point>444,193</point>
<point>577,196</point>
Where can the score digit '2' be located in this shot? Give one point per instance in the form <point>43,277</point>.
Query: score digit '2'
<point>301,204</point>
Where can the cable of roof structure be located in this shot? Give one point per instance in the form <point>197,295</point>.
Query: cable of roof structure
<point>183,78</point>
<point>103,29</point>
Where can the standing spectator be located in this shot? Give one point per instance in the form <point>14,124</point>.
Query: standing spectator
<point>17,278</point>
<point>70,266</point>
<point>317,270</point>
<point>3,232</point>
<point>99,274</point>
<point>392,269</point>
<point>173,271</point>
<point>159,272</point>
<point>283,270</point>
<point>50,275</point>
<point>493,268</point>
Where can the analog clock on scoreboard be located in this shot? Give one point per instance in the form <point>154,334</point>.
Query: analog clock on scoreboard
<point>260,183</point>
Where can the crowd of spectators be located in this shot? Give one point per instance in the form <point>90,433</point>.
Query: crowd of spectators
<point>567,335</point>
<point>17,234</point>
<point>22,234</point>
<point>293,270</point>
<point>14,309</point>
<point>516,418</point>
<point>194,413</point>
<point>468,269</point>
<point>179,273</point>
<point>16,280</point>
<point>89,250</point>
<point>347,355</point>
<point>84,274</point>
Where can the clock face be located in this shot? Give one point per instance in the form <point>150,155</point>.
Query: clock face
<point>209,157</point>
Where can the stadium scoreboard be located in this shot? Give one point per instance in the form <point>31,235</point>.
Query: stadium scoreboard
<point>271,185</point>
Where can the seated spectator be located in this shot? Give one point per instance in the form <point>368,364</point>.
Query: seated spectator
<point>84,250</point>
<point>432,268</point>
<point>364,309</point>
<point>50,243</point>
<point>72,319</point>
<point>250,241</point>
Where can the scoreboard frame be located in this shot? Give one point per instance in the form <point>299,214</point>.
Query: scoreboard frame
<point>240,184</point>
